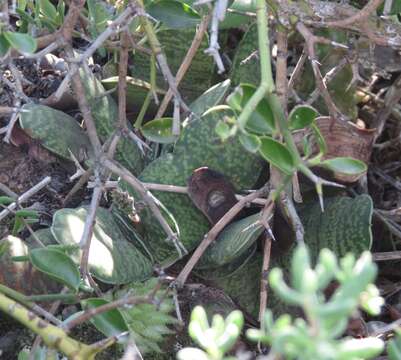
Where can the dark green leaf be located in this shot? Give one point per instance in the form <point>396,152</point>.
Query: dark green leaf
<point>109,323</point>
<point>4,45</point>
<point>57,265</point>
<point>111,254</point>
<point>250,142</point>
<point>159,130</point>
<point>57,131</point>
<point>210,97</point>
<point>238,15</point>
<point>174,14</point>
<point>301,117</point>
<point>277,154</point>
<point>21,42</point>
<point>236,240</point>
<point>105,114</point>
<point>345,165</point>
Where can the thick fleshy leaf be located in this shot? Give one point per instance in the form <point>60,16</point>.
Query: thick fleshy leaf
<point>344,227</point>
<point>250,142</point>
<point>4,45</point>
<point>174,14</point>
<point>246,64</point>
<point>301,117</point>
<point>112,258</point>
<point>210,98</point>
<point>277,154</point>
<point>109,323</point>
<point>56,131</point>
<point>159,130</point>
<point>57,265</point>
<point>48,9</point>
<point>234,241</point>
<point>345,165</point>
<point>206,149</point>
<point>22,42</point>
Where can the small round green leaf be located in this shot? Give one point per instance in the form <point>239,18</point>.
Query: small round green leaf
<point>159,130</point>
<point>301,117</point>
<point>174,14</point>
<point>223,130</point>
<point>110,323</point>
<point>262,119</point>
<point>277,154</point>
<point>235,99</point>
<point>250,142</point>
<point>57,265</point>
<point>21,42</point>
<point>345,165</point>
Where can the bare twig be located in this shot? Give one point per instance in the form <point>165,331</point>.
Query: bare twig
<point>386,256</point>
<point>360,16</point>
<point>214,47</point>
<point>196,42</point>
<point>173,189</point>
<point>393,96</point>
<point>157,50</point>
<point>263,281</point>
<point>311,40</point>
<point>145,195</point>
<point>91,312</point>
<point>25,196</point>
<point>112,29</point>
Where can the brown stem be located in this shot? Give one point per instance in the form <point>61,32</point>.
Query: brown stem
<point>360,16</point>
